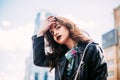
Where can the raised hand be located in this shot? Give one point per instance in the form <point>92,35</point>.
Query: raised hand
<point>48,22</point>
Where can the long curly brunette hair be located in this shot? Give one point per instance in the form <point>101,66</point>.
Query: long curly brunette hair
<point>59,50</point>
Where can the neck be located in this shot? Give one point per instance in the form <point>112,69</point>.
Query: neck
<point>70,43</point>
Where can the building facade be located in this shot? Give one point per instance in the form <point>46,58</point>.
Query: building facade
<point>111,45</point>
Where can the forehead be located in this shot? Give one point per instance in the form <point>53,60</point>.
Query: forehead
<point>54,26</point>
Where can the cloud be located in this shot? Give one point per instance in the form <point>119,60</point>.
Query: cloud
<point>16,43</point>
<point>6,23</point>
<point>11,78</point>
<point>18,38</point>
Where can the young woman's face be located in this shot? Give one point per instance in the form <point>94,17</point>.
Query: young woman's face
<point>60,33</point>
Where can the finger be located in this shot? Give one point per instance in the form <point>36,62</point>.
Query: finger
<point>52,22</point>
<point>50,17</point>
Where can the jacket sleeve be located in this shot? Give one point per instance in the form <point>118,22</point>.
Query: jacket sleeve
<point>39,57</point>
<point>98,63</point>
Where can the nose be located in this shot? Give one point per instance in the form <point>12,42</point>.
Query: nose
<point>56,33</point>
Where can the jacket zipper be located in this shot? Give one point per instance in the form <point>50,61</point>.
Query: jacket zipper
<point>76,70</point>
<point>59,73</point>
<point>73,74</point>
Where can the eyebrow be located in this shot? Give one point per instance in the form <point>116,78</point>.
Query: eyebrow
<point>54,27</point>
<point>57,25</point>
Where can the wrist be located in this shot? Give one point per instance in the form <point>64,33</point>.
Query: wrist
<point>41,33</point>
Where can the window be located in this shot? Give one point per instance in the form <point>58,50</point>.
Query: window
<point>110,62</point>
<point>111,74</point>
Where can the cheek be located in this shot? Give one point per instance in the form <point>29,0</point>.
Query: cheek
<point>54,38</point>
<point>65,30</point>
<point>66,33</point>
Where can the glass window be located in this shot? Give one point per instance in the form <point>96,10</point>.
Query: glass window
<point>110,62</point>
<point>111,74</point>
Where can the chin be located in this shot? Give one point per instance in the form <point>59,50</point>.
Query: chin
<point>61,42</point>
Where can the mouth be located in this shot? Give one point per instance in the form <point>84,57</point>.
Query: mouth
<point>59,37</point>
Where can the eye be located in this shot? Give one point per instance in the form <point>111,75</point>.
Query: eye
<point>51,32</point>
<point>58,26</point>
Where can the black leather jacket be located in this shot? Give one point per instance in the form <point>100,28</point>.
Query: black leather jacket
<point>94,67</point>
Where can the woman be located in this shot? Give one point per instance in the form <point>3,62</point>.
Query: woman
<point>68,43</point>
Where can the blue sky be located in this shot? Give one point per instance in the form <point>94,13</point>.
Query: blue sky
<point>17,18</point>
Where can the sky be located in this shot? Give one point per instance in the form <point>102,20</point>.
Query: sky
<point>17,22</point>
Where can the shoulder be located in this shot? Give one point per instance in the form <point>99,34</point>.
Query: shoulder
<point>95,47</point>
<point>95,51</point>
<point>92,49</point>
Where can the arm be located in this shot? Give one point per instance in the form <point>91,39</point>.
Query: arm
<point>97,64</point>
<point>39,57</point>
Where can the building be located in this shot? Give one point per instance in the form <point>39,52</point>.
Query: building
<point>34,72</point>
<point>117,26</point>
<point>117,16</point>
<point>111,45</point>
